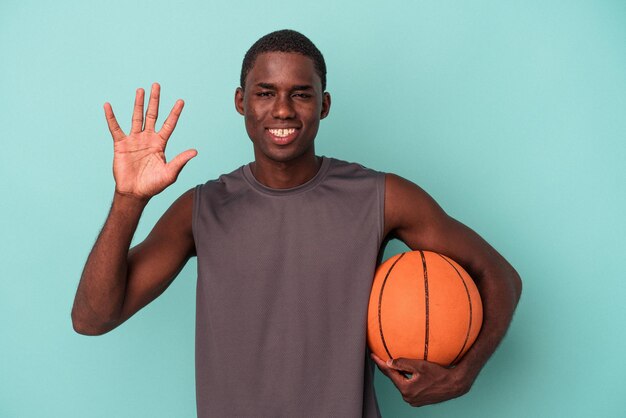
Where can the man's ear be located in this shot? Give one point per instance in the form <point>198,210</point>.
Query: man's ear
<point>239,100</point>
<point>325,105</point>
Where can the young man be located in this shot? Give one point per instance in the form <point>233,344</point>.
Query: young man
<point>286,249</point>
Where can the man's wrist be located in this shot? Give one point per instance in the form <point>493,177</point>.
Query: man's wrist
<point>129,201</point>
<point>464,376</point>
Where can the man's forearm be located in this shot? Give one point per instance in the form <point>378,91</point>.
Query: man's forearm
<point>500,290</point>
<point>100,295</point>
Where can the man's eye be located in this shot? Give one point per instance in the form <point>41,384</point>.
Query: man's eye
<point>264,94</point>
<point>302,95</point>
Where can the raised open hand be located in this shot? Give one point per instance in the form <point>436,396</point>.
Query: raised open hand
<point>139,165</point>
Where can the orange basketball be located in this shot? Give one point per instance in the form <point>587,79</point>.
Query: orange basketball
<point>423,306</point>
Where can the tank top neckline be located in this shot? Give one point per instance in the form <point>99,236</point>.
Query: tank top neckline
<point>308,185</point>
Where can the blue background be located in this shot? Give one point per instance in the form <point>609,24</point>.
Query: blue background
<point>511,114</point>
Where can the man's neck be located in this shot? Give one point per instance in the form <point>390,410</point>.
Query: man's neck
<point>285,175</point>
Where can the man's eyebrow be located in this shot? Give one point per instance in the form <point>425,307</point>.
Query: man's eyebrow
<point>299,87</point>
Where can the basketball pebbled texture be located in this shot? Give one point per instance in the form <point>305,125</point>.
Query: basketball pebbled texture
<point>423,305</point>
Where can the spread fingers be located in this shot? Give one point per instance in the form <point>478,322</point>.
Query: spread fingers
<point>153,107</point>
<point>172,119</point>
<point>137,124</point>
<point>114,127</point>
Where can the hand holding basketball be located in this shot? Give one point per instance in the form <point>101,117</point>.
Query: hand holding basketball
<point>425,313</point>
<point>139,165</point>
<point>427,383</point>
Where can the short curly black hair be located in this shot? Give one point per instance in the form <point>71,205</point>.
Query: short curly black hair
<point>285,40</point>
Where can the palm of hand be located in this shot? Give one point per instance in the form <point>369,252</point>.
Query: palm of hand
<point>139,165</point>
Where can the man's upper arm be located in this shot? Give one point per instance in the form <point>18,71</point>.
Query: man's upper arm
<point>414,217</point>
<point>155,263</point>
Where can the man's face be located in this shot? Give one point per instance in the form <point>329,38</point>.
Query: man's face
<point>283,103</point>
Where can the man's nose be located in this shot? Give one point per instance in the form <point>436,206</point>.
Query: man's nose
<point>283,108</point>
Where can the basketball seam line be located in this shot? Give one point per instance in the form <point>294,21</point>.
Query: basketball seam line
<point>469,299</point>
<point>426,307</point>
<point>380,301</point>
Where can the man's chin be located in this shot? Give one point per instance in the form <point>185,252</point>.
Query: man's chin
<point>285,155</point>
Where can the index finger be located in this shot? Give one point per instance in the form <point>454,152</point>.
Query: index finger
<point>398,379</point>
<point>172,119</point>
<point>114,127</point>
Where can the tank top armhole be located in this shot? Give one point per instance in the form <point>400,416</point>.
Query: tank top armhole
<point>196,212</point>
<point>380,187</point>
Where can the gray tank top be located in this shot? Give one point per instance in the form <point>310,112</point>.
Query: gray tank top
<point>284,278</point>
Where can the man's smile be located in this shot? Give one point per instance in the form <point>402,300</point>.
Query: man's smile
<point>282,132</point>
<point>282,136</point>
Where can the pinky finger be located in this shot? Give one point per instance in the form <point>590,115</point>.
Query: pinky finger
<point>114,127</point>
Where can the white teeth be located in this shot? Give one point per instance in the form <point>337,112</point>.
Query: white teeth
<point>282,132</point>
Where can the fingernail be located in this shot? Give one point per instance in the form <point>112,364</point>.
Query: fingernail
<point>390,362</point>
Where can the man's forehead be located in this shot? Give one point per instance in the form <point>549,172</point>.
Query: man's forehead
<point>274,67</point>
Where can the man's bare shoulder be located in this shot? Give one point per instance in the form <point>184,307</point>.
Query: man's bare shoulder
<point>408,206</point>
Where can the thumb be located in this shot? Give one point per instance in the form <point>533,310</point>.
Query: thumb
<point>403,364</point>
<point>177,164</point>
